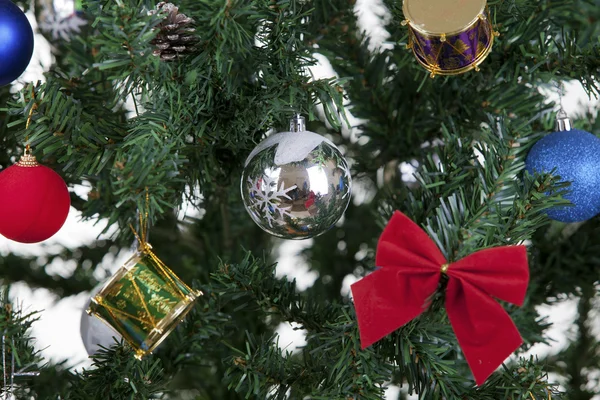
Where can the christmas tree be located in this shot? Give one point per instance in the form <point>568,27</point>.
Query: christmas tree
<point>149,112</point>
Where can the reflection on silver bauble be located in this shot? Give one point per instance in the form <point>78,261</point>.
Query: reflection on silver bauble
<point>95,333</point>
<point>296,185</point>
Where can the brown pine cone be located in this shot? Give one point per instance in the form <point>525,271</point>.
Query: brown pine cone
<point>176,33</point>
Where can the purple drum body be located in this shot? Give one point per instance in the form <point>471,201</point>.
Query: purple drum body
<point>453,52</point>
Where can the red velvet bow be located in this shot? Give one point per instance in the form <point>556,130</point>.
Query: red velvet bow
<point>411,267</point>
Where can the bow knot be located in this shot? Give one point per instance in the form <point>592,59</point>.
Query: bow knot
<point>410,269</point>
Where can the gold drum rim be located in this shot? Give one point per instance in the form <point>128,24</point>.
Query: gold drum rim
<point>475,64</point>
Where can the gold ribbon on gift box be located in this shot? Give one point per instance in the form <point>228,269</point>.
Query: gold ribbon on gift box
<point>144,301</point>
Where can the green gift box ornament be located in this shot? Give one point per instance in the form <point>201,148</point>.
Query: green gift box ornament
<point>144,301</point>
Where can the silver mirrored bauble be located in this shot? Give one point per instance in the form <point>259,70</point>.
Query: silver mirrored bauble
<point>296,185</point>
<point>95,333</point>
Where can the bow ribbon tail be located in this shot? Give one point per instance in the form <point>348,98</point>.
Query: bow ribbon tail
<point>485,332</point>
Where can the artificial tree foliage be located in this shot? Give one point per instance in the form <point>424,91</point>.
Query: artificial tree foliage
<point>112,117</point>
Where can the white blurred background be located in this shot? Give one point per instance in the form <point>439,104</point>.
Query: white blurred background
<point>58,330</point>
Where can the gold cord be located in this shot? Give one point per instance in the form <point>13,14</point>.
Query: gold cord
<point>143,237</point>
<point>33,108</point>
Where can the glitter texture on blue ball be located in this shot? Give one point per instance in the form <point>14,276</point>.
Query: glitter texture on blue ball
<point>16,42</point>
<point>575,155</point>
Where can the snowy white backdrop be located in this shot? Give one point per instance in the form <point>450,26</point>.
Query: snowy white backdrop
<point>58,331</point>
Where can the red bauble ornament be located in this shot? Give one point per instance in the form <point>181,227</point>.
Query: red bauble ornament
<point>34,201</point>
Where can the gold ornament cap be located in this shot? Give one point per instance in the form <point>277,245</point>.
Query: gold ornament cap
<point>27,159</point>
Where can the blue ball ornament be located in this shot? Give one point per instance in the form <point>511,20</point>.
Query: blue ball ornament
<point>16,42</point>
<point>575,157</point>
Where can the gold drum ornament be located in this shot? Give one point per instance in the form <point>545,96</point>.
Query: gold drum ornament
<point>449,37</point>
<point>144,301</point>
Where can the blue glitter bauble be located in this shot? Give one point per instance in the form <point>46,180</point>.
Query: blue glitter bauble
<point>575,155</point>
<point>16,42</point>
